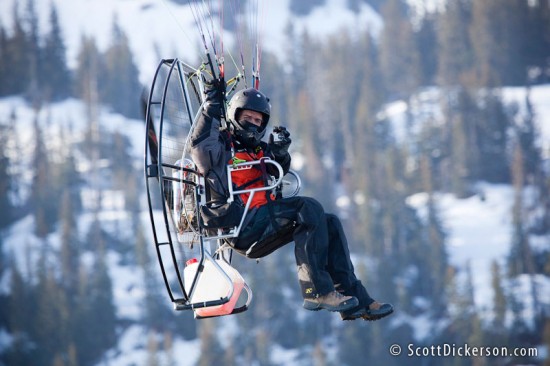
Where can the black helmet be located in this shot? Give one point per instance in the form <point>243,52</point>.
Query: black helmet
<point>254,100</point>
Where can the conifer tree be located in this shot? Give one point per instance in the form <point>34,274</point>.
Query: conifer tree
<point>84,340</point>
<point>49,328</point>
<point>498,36</point>
<point>399,58</point>
<point>20,319</point>
<point>484,29</point>
<point>211,351</point>
<point>169,349</point>
<point>314,170</point>
<point>426,38</point>
<point>122,88</point>
<point>520,258</point>
<point>3,57</point>
<point>3,269</point>
<point>269,304</point>
<point>527,135</point>
<point>17,57</point>
<point>491,138</point>
<point>6,206</point>
<point>352,350</point>
<point>71,356</point>
<point>69,256</point>
<point>262,344</point>
<point>296,48</point>
<point>455,58</point>
<point>93,329</point>
<point>101,297</point>
<point>230,352</point>
<point>461,144</point>
<point>499,299</point>
<point>517,32</point>
<point>438,260</point>
<point>55,73</point>
<point>15,146</point>
<point>90,74</point>
<point>34,92</point>
<point>537,40</point>
<point>156,315</point>
<point>152,349</point>
<point>476,337</point>
<point>343,64</point>
<point>44,205</point>
<point>121,161</point>
<point>132,195</point>
<point>546,339</point>
<point>466,320</point>
<point>362,181</point>
<point>319,355</point>
<point>70,180</point>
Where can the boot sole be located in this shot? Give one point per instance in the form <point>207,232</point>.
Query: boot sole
<point>366,316</point>
<point>308,305</point>
<point>370,318</point>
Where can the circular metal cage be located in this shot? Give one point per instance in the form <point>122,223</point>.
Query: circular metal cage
<point>175,189</point>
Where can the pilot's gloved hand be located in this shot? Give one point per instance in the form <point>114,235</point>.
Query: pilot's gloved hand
<point>279,142</point>
<point>214,91</point>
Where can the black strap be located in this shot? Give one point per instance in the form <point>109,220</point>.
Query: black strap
<point>268,196</point>
<point>249,183</point>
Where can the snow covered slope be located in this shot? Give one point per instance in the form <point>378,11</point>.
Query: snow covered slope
<point>478,229</point>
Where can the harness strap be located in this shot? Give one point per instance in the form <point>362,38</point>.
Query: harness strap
<point>249,183</point>
<point>274,223</point>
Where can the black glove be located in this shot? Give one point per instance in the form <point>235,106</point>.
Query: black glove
<point>279,141</point>
<point>215,95</point>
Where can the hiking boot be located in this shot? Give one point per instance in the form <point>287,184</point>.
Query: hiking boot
<point>333,301</point>
<point>374,311</point>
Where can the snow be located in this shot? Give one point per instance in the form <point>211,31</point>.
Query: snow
<point>133,350</point>
<point>479,233</point>
<point>282,356</point>
<point>129,291</point>
<point>19,240</point>
<point>6,339</point>
<point>396,112</point>
<point>540,99</point>
<point>478,224</point>
<point>478,227</point>
<point>538,243</point>
<point>316,22</point>
<point>69,115</point>
<point>422,7</point>
<point>478,230</point>
<point>424,107</point>
<point>422,325</point>
<point>21,244</point>
<point>524,286</point>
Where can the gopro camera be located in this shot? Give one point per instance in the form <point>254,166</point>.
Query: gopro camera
<point>278,133</point>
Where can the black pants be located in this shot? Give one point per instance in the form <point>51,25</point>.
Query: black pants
<point>321,248</point>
